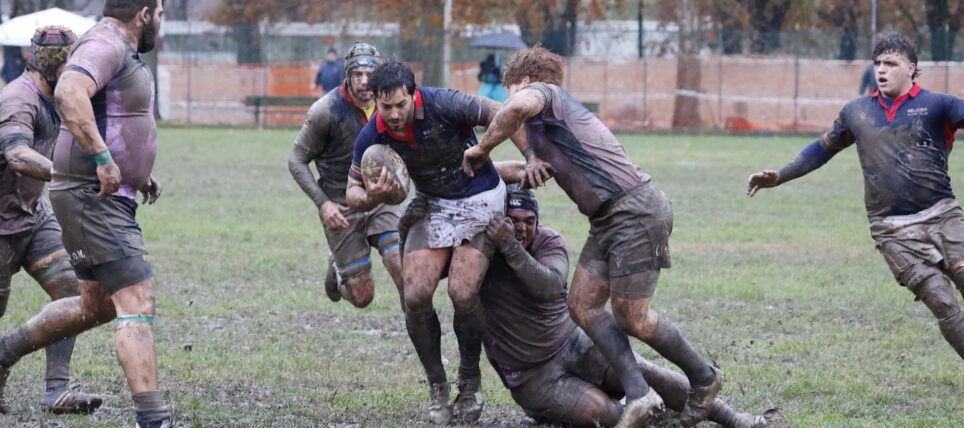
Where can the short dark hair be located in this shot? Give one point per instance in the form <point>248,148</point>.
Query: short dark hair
<point>536,63</point>
<point>900,44</point>
<point>126,10</point>
<point>390,76</point>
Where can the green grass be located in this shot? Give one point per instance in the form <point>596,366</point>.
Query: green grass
<point>784,291</point>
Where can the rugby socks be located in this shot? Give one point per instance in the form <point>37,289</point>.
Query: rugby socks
<point>151,409</point>
<point>14,346</point>
<point>58,363</point>
<point>952,328</point>
<point>425,331</point>
<point>668,341</point>
<point>613,343</point>
<point>468,330</point>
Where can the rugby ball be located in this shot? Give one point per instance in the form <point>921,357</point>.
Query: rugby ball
<point>380,155</point>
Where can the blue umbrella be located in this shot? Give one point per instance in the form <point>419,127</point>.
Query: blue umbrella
<point>498,41</point>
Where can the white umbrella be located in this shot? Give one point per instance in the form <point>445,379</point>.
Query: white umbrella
<point>19,30</point>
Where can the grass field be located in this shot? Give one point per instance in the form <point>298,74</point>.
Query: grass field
<point>783,291</point>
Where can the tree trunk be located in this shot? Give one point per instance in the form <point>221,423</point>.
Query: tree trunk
<point>686,108</point>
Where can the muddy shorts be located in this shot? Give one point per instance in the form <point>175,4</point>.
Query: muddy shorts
<point>23,249</point>
<point>921,245</point>
<point>103,240</point>
<point>551,392</point>
<point>449,222</point>
<point>350,247</point>
<point>630,234</point>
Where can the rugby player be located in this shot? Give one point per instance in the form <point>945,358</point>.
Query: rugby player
<point>29,233</point>
<point>106,99</point>
<point>904,135</point>
<point>630,224</point>
<point>327,138</point>
<point>430,128</point>
<point>548,363</point>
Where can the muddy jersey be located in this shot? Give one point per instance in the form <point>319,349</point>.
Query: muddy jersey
<point>591,166</point>
<point>27,117</point>
<point>123,110</point>
<point>903,148</point>
<point>328,138</point>
<point>433,146</point>
<point>522,332</point>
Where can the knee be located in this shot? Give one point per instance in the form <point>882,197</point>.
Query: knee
<point>418,294</point>
<point>582,313</point>
<point>360,289</point>
<point>57,278</point>
<point>463,298</point>
<point>634,317</point>
<point>595,408</point>
<point>939,297</point>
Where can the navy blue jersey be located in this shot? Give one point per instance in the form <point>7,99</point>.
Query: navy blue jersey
<point>903,148</point>
<point>433,146</point>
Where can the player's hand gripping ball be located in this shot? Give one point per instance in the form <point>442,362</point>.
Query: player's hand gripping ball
<point>378,156</point>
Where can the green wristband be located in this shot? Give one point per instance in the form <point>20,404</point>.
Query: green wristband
<point>103,158</point>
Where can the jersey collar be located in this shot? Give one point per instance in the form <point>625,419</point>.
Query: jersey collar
<point>410,135</point>
<point>892,110</point>
<point>344,93</point>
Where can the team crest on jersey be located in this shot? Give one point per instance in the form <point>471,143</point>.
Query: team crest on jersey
<point>920,111</point>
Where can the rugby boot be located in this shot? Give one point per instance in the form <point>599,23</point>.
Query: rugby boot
<point>467,407</point>
<point>4,373</point>
<point>66,401</point>
<point>166,423</point>
<point>642,411</point>
<point>699,403</point>
<point>331,284</point>
<point>439,411</point>
<point>773,418</point>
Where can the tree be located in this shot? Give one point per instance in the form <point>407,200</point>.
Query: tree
<point>944,23</point>
<point>22,7</point>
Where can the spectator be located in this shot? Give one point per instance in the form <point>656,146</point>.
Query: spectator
<point>867,82</point>
<point>13,63</point>
<point>490,74</point>
<point>332,72</point>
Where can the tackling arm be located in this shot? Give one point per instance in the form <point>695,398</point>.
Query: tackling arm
<point>508,121</point>
<point>544,278</point>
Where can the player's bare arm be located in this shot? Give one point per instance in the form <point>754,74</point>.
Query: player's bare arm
<point>73,93</point>
<point>511,171</point>
<point>506,123</point>
<point>331,213</point>
<point>812,156</point>
<point>369,194</point>
<point>28,162</point>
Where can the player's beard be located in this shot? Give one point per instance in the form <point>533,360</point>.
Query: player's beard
<point>363,96</point>
<point>148,37</point>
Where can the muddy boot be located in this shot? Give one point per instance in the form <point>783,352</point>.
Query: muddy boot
<point>4,373</point>
<point>166,423</point>
<point>66,401</point>
<point>699,403</point>
<point>772,418</point>
<point>331,284</point>
<point>467,407</point>
<point>642,411</point>
<point>439,411</point>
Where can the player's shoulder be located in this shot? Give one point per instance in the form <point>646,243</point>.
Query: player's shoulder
<point>324,107</point>
<point>20,90</point>
<point>103,37</point>
<point>548,238</point>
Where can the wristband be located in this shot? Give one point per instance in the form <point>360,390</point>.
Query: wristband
<point>103,158</point>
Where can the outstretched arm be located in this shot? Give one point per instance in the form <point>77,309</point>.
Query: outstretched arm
<point>507,123</point>
<point>813,156</point>
<point>24,160</point>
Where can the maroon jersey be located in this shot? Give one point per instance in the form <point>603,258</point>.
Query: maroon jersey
<point>591,166</point>
<point>525,327</point>
<point>27,117</point>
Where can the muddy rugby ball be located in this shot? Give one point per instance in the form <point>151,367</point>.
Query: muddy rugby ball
<point>380,155</point>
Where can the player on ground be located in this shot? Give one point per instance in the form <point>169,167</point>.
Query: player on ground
<point>430,128</point>
<point>327,139</point>
<point>29,233</point>
<point>904,136</point>
<point>552,368</point>
<point>106,99</point>
<point>630,224</point>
